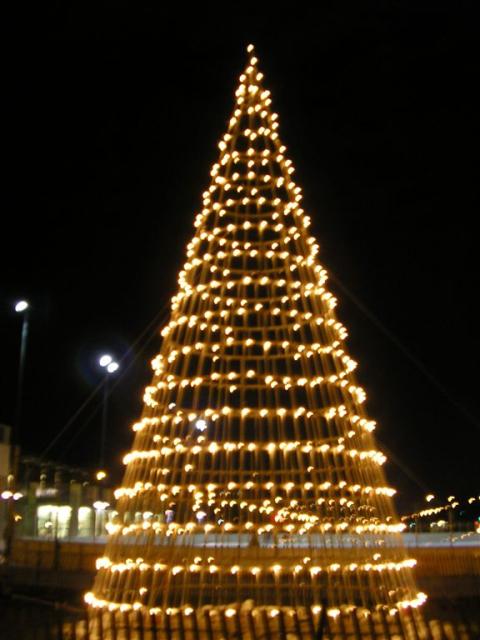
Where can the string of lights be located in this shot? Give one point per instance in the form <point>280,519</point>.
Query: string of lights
<point>451,504</point>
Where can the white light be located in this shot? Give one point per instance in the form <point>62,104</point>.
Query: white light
<point>112,367</point>
<point>100,506</point>
<point>201,425</point>
<point>105,360</point>
<point>21,305</point>
<point>6,495</point>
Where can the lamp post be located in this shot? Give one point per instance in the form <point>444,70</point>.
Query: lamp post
<point>110,366</point>
<point>11,494</point>
<point>100,507</point>
<point>23,307</point>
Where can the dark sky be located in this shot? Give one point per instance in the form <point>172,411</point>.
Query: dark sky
<point>111,125</point>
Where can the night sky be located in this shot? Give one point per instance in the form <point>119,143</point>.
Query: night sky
<point>112,120</point>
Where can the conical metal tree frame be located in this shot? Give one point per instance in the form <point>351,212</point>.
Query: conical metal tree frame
<point>254,475</point>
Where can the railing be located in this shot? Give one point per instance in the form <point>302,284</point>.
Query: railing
<point>449,574</point>
<point>245,624</point>
<point>432,559</point>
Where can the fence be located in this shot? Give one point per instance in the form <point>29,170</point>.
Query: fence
<point>245,624</point>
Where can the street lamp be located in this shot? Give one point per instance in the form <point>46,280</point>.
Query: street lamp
<point>105,360</point>
<point>100,507</point>
<point>11,495</point>
<point>110,366</point>
<point>23,307</point>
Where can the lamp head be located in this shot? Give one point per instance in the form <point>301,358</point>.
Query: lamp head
<point>112,367</point>
<point>105,360</point>
<point>21,306</point>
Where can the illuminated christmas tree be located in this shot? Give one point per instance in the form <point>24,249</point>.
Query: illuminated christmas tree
<point>254,476</point>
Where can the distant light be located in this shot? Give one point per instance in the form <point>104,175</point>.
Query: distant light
<point>201,425</point>
<point>100,475</point>
<point>100,506</point>
<point>112,367</point>
<point>430,497</point>
<point>17,495</point>
<point>21,305</point>
<point>6,495</point>
<point>105,360</point>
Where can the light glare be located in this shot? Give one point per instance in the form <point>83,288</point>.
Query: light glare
<point>201,425</point>
<point>105,360</point>
<point>21,305</point>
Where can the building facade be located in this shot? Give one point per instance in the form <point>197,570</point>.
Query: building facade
<point>51,500</point>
